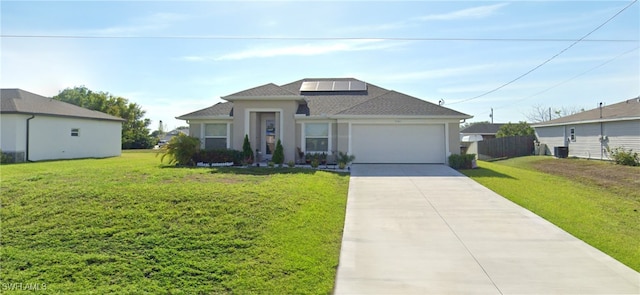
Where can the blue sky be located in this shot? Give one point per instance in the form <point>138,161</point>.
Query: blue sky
<point>176,57</point>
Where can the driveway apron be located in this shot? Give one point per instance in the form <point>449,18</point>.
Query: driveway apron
<point>427,229</point>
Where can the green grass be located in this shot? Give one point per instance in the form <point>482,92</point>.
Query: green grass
<point>606,219</point>
<point>131,225</point>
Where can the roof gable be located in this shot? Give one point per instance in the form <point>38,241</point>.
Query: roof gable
<point>628,109</point>
<point>263,90</point>
<point>24,102</point>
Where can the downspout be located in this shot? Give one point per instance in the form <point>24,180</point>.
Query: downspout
<point>26,152</point>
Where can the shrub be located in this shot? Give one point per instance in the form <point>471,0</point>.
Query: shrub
<point>180,149</point>
<point>278,154</point>
<point>461,161</point>
<point>625,157</point>
<point>247,152</point>
<point>218,156</point>
<point>291,164</point>
<point>5,158</point>
<point>345,158</point>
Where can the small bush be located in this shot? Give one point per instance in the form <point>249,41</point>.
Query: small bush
<point>278,154</point>
<point>625,157</point>
<point>461,161</point>
<point>180,150</point>
<point>5,158</point>
<point>218,156</point>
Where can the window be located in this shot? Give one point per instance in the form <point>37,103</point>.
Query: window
<point>215,136</point>
<point>316,137</point>
<point>75,132</point>
<point>572,134</point>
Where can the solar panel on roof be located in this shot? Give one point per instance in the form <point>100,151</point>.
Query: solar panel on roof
<point>325,86</point>
<point>309,86</point>
<point>357,86</point>
<point>328,85</point>
<point>341,86</point>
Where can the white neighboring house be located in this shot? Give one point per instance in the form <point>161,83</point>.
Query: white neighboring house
<point>35,128</point>
<point>591,133</point>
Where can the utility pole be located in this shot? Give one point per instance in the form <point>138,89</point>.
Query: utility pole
<point>491,115</point>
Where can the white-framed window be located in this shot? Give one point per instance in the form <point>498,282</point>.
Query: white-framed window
<point>75,131</point>
<point>572,134</point>
<point>215,136</point>
<point>316,137</point>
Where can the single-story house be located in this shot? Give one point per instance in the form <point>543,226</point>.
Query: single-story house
<point>479,132</point>
<point>38,128</point>
<point>470,136</point>
<point>591,133</point>
<point>330,116</point>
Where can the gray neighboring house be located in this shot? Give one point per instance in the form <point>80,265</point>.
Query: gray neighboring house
<point>331,115</point>
<point>34,128</point>
<point>591,133</point>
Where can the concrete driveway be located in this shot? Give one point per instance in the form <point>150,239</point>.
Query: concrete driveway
<point>426,229</point>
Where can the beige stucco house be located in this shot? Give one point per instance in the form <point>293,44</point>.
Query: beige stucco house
<point>329,116</point>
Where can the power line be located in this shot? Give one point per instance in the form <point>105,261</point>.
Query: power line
<point>568,80</point>
<point>314,38</point>
<point>549,59</point>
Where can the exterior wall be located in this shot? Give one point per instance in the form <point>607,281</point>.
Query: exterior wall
<point>50,138</point>
<point>624,134</point>
<point>588,138</point>
<point>196,129</point>
<point>551,136</point>
<point>454,138</point>
<point>342,138</point>
<point>285,123</point>
<point>13,132</point>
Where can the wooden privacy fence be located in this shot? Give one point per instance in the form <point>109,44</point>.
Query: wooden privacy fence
<point>506,147</point>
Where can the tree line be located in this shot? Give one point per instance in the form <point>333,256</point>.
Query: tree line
<point>135,131</point>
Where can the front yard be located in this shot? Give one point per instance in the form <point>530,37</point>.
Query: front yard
<point>131,225</point>
<point>598,202</point>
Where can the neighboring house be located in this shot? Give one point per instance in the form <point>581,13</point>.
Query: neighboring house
<point>38,128</point>
<point>590,133</point>
<point>330,115</point>
<point>169,135</point>
<point>470,136</point>
<point>479,132</point>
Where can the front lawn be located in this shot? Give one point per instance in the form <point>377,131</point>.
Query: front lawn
<point>595,201</point>
<point>132,225</point>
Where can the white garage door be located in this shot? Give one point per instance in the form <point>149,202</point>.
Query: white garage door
<point>372,143</point>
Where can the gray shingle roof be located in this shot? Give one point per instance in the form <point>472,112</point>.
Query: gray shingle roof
<point>18,101</point>
<point>375,101</point>
<point>264,90</point>
<point>219,109</point>
<point>628,109</point>
<point>482,128</point>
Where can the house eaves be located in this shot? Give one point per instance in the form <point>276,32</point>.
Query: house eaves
<point>585,122</point>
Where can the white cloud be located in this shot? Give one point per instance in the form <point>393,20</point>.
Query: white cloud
<point>475,12</point>
<point>430,74</point>
<point>153,22</point>
<point>308,49</point>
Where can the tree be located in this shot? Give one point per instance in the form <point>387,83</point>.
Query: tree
<point>278,154</point>
<point>247,152</point>
<point>469,124</point>
<point>135,131</point>
<point>520,129</point>
<point>540,113</point>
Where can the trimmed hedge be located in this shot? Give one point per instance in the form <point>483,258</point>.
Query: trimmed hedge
<point>218,156</point>
<point>461,161</point>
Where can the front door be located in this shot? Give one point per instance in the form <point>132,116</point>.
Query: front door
<point>269,138</point>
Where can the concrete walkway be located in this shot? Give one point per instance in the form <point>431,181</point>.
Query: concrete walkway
<point>426,229</point>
